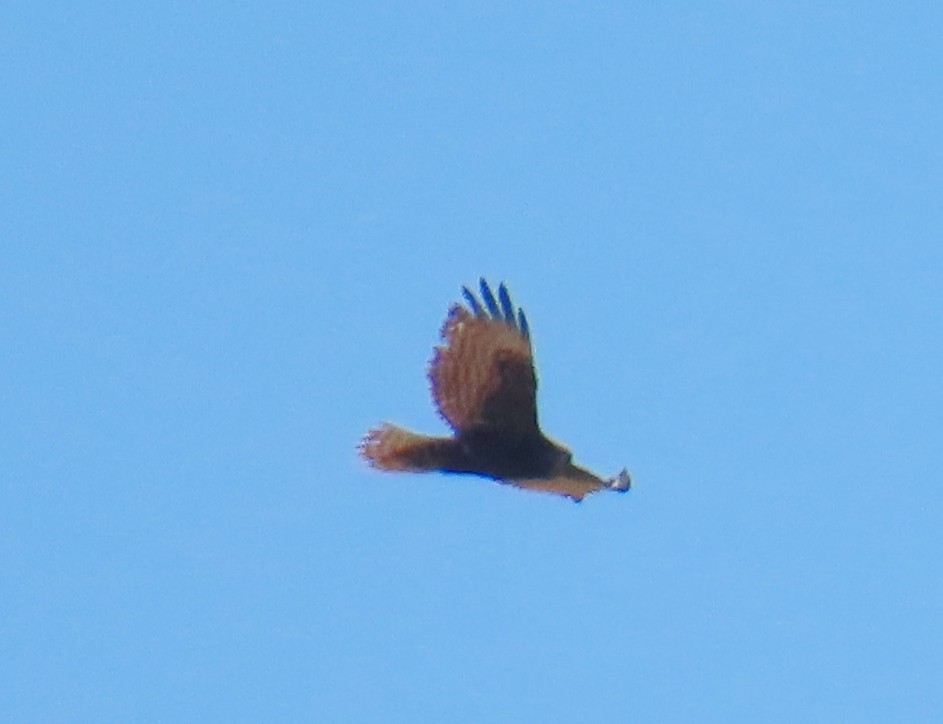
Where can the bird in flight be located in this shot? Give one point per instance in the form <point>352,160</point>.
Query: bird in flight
<point>485,387</point>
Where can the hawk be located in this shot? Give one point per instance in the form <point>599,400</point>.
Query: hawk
<point>484,386</point>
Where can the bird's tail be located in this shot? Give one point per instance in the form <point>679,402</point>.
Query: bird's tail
<point>389,447</point>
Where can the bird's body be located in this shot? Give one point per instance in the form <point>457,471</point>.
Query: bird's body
<point>484,385</point>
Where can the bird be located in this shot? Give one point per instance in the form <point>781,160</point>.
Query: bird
<point>484,386</point>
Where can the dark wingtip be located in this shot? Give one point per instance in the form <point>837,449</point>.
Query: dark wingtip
<point>506,307</point>
<point>621,483</point>
<point>488,296</point>
<point>473,302</point>
<point>500,308</point>
<point>522,324</point>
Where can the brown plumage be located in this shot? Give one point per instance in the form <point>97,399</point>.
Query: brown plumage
<point>484,386</point>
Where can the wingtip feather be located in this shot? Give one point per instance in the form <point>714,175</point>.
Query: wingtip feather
<point>488,296</point>
<point>473,302</point>
<point>498,308</point>
<point>507,308</point>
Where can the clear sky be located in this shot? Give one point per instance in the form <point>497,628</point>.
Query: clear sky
<point>229,233</point>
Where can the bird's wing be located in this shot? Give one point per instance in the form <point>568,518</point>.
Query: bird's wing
<point>574,482</point>
<point>482,374</point>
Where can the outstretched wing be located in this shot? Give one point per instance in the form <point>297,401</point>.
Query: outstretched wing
<point>483,372</point>
<point>575,482</point>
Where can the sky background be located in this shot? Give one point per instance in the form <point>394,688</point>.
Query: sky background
<point>229,233</point>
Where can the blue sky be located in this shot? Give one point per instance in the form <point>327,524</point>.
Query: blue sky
<point>229,233</point>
